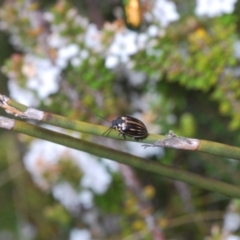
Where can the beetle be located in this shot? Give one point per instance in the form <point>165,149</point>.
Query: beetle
<point>129,126</point>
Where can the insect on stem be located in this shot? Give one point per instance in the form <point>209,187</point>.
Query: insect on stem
<point>128,126</point>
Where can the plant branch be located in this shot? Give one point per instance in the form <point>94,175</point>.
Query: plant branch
<point>189,144</point>
<point>125,158</point>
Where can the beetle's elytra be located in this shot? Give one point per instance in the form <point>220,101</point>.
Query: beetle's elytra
<point>129,126</point>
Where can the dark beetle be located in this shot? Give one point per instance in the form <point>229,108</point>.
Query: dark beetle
<point>129,126</point>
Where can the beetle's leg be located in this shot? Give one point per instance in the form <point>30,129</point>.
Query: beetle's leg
<point>122,135</point>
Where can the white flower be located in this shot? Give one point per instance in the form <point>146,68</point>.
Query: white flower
<point>214,7</point>
<point>54,40</point>
<point>82,234</point>
<point>42,76</point>
<point>142,40</point>
<point>22,95</point>
<point>66,53</point>
<point>123,45</point>
<point>95,174</point>
<point>153,31</point>
<point>43,155</point>
<point>66,194</point>
<point>93,38</point>
<point>111,62</point>
<point>232,237</point>
<point>165,12</point>
<point>85,198</point>
<point>231,221</point>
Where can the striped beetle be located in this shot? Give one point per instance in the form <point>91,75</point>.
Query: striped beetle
<point>129,126</point>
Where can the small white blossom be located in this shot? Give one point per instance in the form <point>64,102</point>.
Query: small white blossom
<point>54,40</point>
<point>165,12</point>
<point>66,194</point>
<point>231,221</point>
<point>76,61</point>
<point>93,38</point>
<point>85,198</point>
<point>43,156</point>
<point>123,45</point>
<point>142,40</point>
<point>232,237</point>
<point>111,62</point>
<point>82,234</point>
<point>214,7</point>
<point>22,95</point>
<point>153,31</point>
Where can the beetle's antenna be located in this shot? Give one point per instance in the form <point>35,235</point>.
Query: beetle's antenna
<point>102,118</point>
<point>109,130</point>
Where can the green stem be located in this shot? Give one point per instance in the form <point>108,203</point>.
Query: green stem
<point>128,159</point>
<point>56,120</point>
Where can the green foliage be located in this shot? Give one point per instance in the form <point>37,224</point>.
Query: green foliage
<point>187,125</point>
<point>195,61</point>
<point>70,172</point>
<point>13,67</point>
<point>112,200</point>
<point>98,78</point>
<point>20,24</point>
<point>227,94</point>
<point>74,25</point>
<point>58,215</point>
<point>7,202</point>
<point>190,88</point>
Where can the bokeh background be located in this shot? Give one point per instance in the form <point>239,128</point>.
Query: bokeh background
<point>172,64</point>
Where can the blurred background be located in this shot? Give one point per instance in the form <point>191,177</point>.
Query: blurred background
<point>173,64</point>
